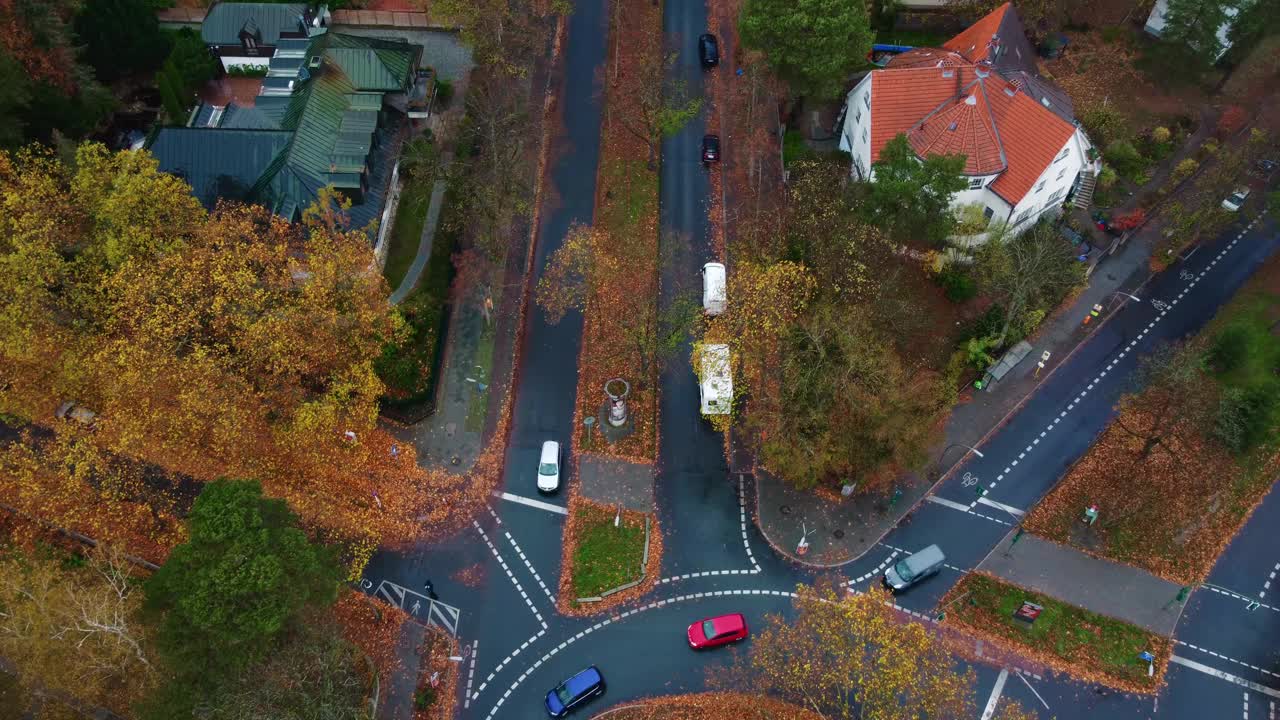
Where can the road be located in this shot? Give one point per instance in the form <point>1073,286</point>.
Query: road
<point>516,647</point>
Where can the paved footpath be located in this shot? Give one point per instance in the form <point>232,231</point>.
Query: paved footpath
<point>1103,586</point>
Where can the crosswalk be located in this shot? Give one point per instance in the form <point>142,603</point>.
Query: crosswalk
<point>442,615</point>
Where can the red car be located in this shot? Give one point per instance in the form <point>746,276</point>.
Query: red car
<point>717,631</point>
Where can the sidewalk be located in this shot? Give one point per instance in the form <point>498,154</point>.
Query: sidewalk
<point>410,280</point>
<point>841,532</point>
<point>1102,586</point>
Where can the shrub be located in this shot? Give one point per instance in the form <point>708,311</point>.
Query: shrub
<point>444,92</point>
<point>1107,177</point>
<point>1114,33</point>
<point>1245,416</point>
<point>958,284</point>
<point>1229,350</point>
<point>1232,120</point>
<point>1183,170</point>
<point>1104,123</point>
<point>1210,146</point>
<point>977,351</point>
<point>1160,134</point>
<point>1126,158</point>
<point>424,698</point>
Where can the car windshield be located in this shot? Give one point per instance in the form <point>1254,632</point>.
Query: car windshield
<point>708,629</point>
<point>547,469</point>
<point>904,571</point>
<point>563,695</point>
<point>1237,198</point>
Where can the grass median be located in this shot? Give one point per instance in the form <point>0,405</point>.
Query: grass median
<point>604,556</point>
<point>1067,638</point>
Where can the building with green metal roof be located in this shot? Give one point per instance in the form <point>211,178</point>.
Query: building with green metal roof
<point>321,118</point>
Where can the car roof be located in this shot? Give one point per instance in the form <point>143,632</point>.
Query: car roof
<point>584,680</point>
<point>732,621</point>
<point>550,451</point>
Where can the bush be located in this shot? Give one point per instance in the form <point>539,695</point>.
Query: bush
<point>1232,120</point>
<point>1230,349</point>
<point>424,698</point>
<point>1126,159</point>
<point>1107,177</point>
<point>1183,170</point>
<point>444,92</point>
<point>1245,416</point>
<point>958,284</point>
<point>1160,135</point>
<point>987,324</point>
<point>1104,123</point>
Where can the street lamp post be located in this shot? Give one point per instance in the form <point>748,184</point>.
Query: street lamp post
<point>970,448</point>
<point>1132,297</point>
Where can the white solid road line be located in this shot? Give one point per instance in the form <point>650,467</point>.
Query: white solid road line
<point>948,503</point>
<point>1001,506</point>
<point>1225,676</point>
<point>549,507</point>
<point>995,695</point>
<point>1023,677</point>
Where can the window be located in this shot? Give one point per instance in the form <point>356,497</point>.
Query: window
<point>857,117</point>
<point>708,629</point>
<point>1040,186</point>
<point>1022,216</point>
<point>866,100</point>
<point>975,183</point>
<point>857,164</point>
<point>1062,172</point>
<point>1063,154</point>
<point>864,135</point>
<point>1057,194</point>
<point>987,213</point>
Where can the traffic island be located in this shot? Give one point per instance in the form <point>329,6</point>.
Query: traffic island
<point>708,706</point>
<point>1084,644</point>
<point>436,694</point>
<point>611,556</point>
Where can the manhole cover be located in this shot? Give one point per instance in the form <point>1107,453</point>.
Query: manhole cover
<point>785,509</point>
<point>839,534</point>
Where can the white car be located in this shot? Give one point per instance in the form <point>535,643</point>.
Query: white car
<point>549,467</point>
<point>1236,199</point>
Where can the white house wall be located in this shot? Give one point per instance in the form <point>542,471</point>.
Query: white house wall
<point>855,136</point>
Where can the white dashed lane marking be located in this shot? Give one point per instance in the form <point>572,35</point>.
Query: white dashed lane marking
<point>529,565</point>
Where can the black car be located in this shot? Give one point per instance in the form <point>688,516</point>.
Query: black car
<point>709,50</point>
<point>710,149</point>
<point>574,692</point>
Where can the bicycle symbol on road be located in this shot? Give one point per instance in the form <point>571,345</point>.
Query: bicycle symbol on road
<point>1160,305</point>
<point>1187,275</point>
<point>969,480</point>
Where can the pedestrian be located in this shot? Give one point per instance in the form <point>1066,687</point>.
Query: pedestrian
<point>431,590</point>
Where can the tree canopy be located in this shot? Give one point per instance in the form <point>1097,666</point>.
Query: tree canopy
<point>244,575</point>
<point>911,198</point>
<point>812,44</point>
<point>120,37</point>
<point>1195,24</point>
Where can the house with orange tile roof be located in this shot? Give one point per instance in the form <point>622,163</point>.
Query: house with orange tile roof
<point>979,95</point>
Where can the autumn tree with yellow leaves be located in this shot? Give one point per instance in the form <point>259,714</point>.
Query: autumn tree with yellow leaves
<point>852,657</point>
<point>214,344</point>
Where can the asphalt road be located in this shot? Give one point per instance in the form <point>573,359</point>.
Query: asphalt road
<point>516,647</point>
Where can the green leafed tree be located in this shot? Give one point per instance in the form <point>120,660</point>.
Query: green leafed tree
<point>1028,274</point>
<point>120,37</point>
<point>238,583</point>
<point>812,44</point>
<point>658,107</point>
<point>910,197</point>
<point>1195,24</point>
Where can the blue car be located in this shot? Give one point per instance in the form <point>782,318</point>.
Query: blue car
<point>575,692</point>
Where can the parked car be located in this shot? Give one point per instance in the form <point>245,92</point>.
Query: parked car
<point>1264,169</point>
<point>716,631</point>
<point>1236,199</point>
<point>710,149</point>
<point>715,379</point>
<point>549,467</point>
<point>709,50</point>
<point>713,288</point>
<point>575,692</point>
<point>914,568</point>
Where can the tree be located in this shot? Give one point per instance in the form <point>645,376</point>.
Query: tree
<point>850,656</point>
<point>767,302</point>
<point>243,578</point>
<point>1173,394</point>
<point>313,673</point>
<point>187,69</point>
<point>121,37</point>
<point>495,143</point>
<point>1194,25</point>
<point>504,35</point>
<point>420,159</point>
<point>73,629</point>
<point>15,94</point>
<point>910,198</point>
<point>813,45</point>
<point>651,106</point>
<point>846,255</point>
<point>1026,273</point>
<point>847,407</point>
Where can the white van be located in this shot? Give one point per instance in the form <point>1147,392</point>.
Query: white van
<point>713,288</point>
<point>914,568</point>
<point>715,376</point>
